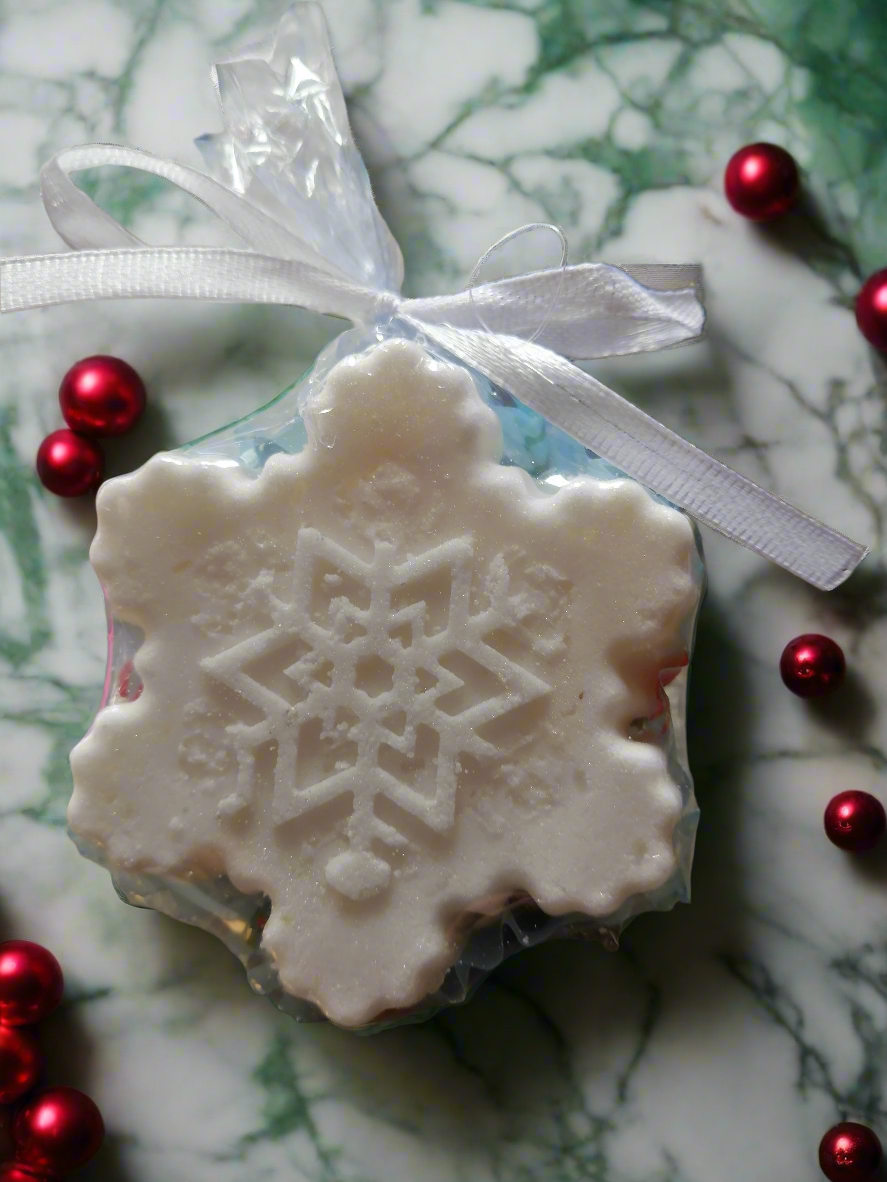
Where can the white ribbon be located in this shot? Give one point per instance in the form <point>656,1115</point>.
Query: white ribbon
<point>531,324</point>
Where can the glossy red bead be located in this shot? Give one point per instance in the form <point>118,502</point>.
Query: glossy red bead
<point>20,1063</point>
<point>57,1131</point>
<point>812,665</point>
<point>31,982</point>
<point>13,1171</point>
<point>855,821</point>
<point>70,465</point>
<point>102,396</point>
<point>849,1152</point>
<point>761,181</point>
<point>871,309</point>
<point>6,1149</point>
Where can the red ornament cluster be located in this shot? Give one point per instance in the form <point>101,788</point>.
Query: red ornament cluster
<point>813,665</point>
<point>99,396</point>
<point>849,1152</point>
<point>762,182</point>
<point>56,1130</point>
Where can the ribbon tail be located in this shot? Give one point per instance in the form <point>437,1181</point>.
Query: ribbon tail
<point>649,452</point>
<point>220,274</point>
<point>584,311</point>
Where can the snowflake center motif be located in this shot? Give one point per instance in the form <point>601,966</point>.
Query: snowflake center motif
<point>392,697</point>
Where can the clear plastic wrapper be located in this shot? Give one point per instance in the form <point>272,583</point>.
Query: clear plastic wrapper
<point>297,160</point>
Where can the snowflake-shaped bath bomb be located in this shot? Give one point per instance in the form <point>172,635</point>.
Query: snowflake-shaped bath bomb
<point>388,683</point>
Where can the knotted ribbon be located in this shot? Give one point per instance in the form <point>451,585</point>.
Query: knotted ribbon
<point>519,332</point>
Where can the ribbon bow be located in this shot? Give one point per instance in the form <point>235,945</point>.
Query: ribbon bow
<point>298,194</point>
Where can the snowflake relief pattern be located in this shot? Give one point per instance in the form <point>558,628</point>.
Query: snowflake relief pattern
<point>388,682</point>
<point>374,677</point>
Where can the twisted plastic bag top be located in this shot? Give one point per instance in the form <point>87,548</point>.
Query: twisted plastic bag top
<point>288,146</point>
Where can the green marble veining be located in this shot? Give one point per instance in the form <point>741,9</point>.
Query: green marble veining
<point>827,88</point>
<point>757,1015</point>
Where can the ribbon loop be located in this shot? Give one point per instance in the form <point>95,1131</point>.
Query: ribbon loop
<point>558,272</point>
<point>84,226</point>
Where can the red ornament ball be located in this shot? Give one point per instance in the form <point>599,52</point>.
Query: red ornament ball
<point>11,1171</point>
<point>855,821</point>
<point>849,1153</point>
<point>20,1063</point>
<point>57,1131</point>
<point>70,465</point>
<point>812,665</point>
<point>6,1115</point>
<point>101,396</point>
<point>871,309</point>
<point>761,182</point>
<point>31,982</point>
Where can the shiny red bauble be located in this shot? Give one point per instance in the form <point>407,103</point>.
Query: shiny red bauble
<point>849,1153</point>
<point>70,465</point>
<point>57,1131</point>
<point>871,309</point>
<point>855,821</point>
<point>812,665</point>
<point>31,982</point>
<point>101,396</point>
<point>11,1171</point>
<point>761,182</point>
<point>20,1063</point>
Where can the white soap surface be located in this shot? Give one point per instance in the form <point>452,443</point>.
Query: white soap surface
<point>388,682</point>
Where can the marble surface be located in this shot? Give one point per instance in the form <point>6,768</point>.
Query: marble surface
<point>723,1038</point>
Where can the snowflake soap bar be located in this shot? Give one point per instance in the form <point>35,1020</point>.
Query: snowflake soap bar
<point>388,685</point>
